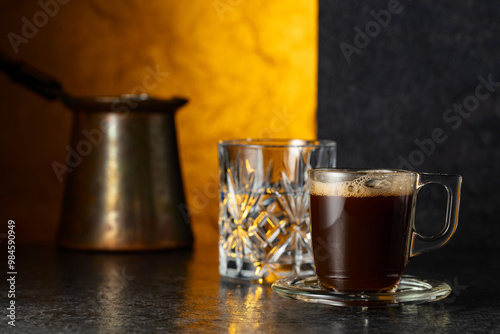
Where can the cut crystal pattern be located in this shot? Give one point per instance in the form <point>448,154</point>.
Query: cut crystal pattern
<point>264,218</point>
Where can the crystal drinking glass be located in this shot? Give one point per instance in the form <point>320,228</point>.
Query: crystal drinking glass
<point>264,228</point>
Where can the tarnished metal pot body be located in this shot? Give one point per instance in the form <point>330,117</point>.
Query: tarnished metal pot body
<point>124,187</point>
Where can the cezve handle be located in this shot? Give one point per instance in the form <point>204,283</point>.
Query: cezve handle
<point>32,78</point>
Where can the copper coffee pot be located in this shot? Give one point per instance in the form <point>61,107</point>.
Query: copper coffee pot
<point>124,191</point>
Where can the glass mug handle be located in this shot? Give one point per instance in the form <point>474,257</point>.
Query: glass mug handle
<point>452,184</point>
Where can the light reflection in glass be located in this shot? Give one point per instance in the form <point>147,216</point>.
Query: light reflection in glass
<point>112,181</point>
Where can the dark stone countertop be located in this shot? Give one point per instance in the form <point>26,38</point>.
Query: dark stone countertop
<point>60,291</point>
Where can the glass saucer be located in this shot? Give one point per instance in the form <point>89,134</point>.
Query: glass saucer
<point>412,290</point>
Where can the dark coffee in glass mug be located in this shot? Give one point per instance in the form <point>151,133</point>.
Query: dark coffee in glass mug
<point>362,225</point>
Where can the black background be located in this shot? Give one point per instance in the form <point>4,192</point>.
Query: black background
<point>397,89</point>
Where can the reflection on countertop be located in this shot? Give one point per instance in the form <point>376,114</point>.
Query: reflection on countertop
<point>88,292</point>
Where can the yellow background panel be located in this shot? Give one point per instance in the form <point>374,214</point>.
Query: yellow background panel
<point>247,67</point>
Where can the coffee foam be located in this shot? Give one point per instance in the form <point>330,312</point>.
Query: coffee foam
<point>369,185</point>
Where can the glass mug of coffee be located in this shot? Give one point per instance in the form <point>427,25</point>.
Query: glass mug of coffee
<point>363,225</point>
